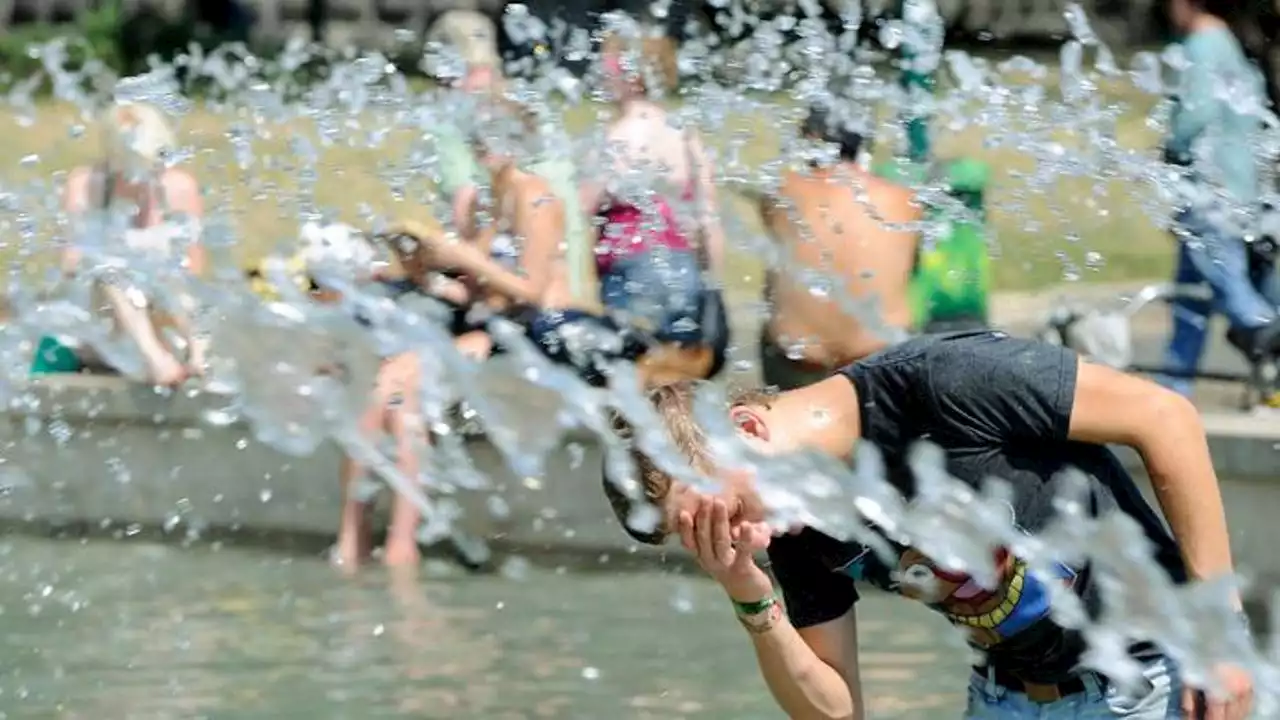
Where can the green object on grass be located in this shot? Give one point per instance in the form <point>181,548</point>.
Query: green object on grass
<point>53,357</point>
<point>952,278</point>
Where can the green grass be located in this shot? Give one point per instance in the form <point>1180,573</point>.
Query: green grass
<point>1033,248</point>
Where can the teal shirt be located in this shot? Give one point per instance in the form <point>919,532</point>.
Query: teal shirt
<point>1213,89</point>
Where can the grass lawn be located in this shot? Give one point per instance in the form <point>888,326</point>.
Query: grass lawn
<point>1039,234</point>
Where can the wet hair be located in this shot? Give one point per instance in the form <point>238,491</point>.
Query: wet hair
<point>822,124</point>
<point>674,406</point>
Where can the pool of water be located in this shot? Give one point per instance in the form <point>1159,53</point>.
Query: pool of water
<point>129,629</point>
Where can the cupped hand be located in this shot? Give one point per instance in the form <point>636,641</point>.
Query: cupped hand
<point>726,550</point>
<point>1235,701</point>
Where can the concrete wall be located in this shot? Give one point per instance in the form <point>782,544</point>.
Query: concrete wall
<point>94,451</point>
<point>97,450</point>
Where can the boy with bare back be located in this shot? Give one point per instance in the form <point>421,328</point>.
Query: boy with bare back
<point>840,221</point>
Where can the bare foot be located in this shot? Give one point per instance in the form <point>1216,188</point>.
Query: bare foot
<point>355,542</point>
<point>401,554</point>
<point>349,554</point>
<point>168,372</point>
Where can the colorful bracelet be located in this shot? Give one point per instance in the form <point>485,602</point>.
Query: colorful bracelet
<point>754,608</point>
<point>762,623</point>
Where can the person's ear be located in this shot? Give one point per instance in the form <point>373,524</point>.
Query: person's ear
<point>749,422</point>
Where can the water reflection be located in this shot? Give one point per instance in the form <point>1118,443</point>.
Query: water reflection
<point>116,629</point>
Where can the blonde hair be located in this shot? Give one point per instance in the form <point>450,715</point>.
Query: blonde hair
<point>673,403</point>
<point>135,137</point>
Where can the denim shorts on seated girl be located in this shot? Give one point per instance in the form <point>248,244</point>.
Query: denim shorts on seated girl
<point>660,287</point>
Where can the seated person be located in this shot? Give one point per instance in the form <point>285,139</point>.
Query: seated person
<point>394,406</point>
<point>164,207</point>
<point>515,264</point>
<point>1215,141</point>
<point>837,219</point>
<point>654,268</point>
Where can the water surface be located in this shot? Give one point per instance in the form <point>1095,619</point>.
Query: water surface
<point>107,629</point>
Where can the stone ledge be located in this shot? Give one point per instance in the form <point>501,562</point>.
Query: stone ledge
<point>123,455</point>
<point>110,398</point>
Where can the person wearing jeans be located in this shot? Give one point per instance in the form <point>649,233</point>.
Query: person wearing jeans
<point>1212,136</point>
<point>995,406</point>
<point>1208,255</point>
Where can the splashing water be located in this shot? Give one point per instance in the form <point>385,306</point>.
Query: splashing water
<point>278,138</point>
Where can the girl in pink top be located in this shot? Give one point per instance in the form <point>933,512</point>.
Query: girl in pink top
<point>650,261</point>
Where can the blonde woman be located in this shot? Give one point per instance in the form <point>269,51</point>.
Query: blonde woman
<point>163,208</point>
<point>652,264</point>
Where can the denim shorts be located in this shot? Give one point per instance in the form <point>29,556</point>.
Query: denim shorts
<point>661,288</point>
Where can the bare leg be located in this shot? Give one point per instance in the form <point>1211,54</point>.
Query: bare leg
<point>197,346</point>
<point>402,535</point>
<point>162,367</point>
<point>404,423</point>
<point>354,541</point>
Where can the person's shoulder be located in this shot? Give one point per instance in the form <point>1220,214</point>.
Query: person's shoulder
<point>180,182</point>
<point>963,341</point>
<point>959,353</point>
<point>893,201</point>
<point>1214,47</point>
<point>908,354</point>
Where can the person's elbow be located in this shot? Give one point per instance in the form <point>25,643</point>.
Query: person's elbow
<point>1161,422</point>
<point>835,704</point>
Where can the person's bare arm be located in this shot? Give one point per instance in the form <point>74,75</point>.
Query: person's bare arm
<point>182,194</point>
<point>1165,428</point>
<point>75,200</point>
<point>539,220</point>
<point>813,673</point>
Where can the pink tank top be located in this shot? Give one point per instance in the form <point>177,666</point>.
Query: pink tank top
<point>628,230</point>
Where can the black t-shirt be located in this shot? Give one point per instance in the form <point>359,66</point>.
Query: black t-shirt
<point>999,407</point>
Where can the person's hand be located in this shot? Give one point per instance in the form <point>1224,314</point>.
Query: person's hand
<point>726,551</point>
<point>1235,702</point>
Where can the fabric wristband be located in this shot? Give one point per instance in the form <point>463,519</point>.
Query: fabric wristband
<point>754,608</point>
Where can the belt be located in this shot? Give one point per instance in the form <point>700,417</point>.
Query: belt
<point>1035,692</point>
